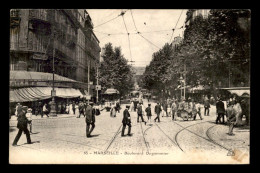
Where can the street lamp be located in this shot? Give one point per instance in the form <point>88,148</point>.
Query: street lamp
<point>53,92</point>
<point>182,81</point>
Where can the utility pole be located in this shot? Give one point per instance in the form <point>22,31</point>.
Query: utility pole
<point>53,92</point>
<point>88,80</point>
<point>97,84</point>
<point>184,78</point>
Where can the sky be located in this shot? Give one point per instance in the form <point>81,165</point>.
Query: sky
<point>154,25</point>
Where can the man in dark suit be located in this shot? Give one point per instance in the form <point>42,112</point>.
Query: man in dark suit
<point>220,111</point>
<point>90,119</point>
<point>157,110</point>
<point>126,121</point>
<point>206,106</point>
<point>73,107</point>
<point>22,126</point>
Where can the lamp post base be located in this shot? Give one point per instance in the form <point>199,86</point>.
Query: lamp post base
<point>53,109</point>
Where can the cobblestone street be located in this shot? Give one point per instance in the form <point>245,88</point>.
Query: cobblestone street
<point>63,140</point>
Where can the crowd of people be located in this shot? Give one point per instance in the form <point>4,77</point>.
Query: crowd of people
<point>234,109</point>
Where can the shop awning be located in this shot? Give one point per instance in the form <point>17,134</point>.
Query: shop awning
<point>41,93</point>
<point>238,90</point>
<point>111,91</point>
<point>31,75</point>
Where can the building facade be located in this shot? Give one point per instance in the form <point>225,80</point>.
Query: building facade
<point>193,13</point>
<point>38,35</point>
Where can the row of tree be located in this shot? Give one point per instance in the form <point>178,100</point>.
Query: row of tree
<point>214,50</point>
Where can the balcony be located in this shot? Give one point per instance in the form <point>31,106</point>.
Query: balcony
<point>15,13</point>
<point>14,18</point>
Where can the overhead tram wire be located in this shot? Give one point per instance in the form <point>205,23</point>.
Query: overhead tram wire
<point>122,13</point>
<point>133,20</point>
<point>139,33</point>
<point>127,37</point>
<point>176,25</point>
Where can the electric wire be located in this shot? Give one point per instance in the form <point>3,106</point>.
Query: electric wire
<point>122,13</point>
<point>127,37</point>
<point>176,25</point>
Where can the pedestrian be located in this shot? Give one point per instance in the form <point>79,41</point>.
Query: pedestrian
<point>16,109</point>
<point>96,107</point>
<point>164,108</point>
<point>39,109</point>
<point>168,109</point>
<point>90,119</point>
<point>118,107</point>
<point>190,105</point>
<point>113,111</point>
<point>148,112</point>
<point>81,108</point>
<point>197,109</point>
<point>29,118</point>
<point>85,107</point>
<point>206,106</point>
<point>77,109</point>
<point>22,125</point>
<point>59,108</point>
<point>157,110</point>
<point>73,107</point>
<point>126,121</point>
<point>140,113</point>
<point>245,109</point>
<point>45,110</point>
<point>135,104</point>
<point>174,109</point>
<point>220,111</point>
<point>67,109</point>
<point>70,108</point>
<point>132,106</point>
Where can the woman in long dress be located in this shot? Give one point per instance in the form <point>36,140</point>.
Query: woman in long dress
<point>113,112</point>
<point>67,109</point>
<point>132,106</point>
<point>77,110</point>
<point>70,110</point>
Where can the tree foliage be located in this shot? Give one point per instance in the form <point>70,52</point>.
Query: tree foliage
<point>114,70</point>
<point>212,49</point>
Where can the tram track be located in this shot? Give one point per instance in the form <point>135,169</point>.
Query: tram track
<point>114,137</point>
<point>173,142</point>
<point>209,139</point>
<point>146,143</point>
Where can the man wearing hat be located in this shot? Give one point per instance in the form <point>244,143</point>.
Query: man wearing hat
<point>22,126</point>
<point>148,112</point>
<point>157,110</point>
<point>206,106</point>
<point>173,108</point>
<point>220,110</point>
<point>90,119</point>
<point>126,121</point>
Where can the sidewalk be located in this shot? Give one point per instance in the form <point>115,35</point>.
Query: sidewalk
<point>34,117</point>
<point>14,118</point>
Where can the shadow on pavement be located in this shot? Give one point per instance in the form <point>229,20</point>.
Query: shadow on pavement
<point>95,135</point>
<point>31,143</point>
<point>11,129</point>
<point>35,133</point>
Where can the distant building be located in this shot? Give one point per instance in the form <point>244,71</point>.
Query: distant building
<point>193,13</point>
<point>176,42</point>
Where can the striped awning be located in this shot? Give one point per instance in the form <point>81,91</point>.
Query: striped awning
<point>41,93</point>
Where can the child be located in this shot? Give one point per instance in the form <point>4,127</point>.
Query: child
<point>29,118</point>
